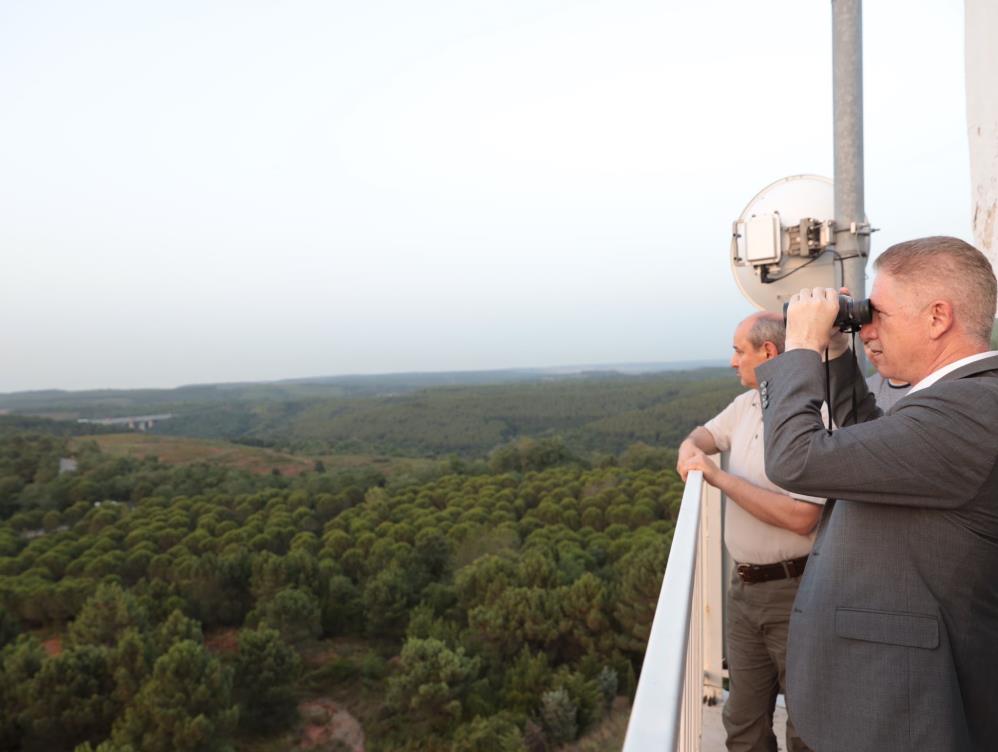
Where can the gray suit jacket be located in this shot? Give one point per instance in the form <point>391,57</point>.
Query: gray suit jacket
<point>894,633</point>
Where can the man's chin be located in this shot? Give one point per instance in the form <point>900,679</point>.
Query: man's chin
<point>884,368</point>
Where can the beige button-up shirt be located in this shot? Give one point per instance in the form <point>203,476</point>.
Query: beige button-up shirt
<point>738,430</point>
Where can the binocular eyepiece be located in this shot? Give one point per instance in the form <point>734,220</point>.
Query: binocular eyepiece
<point>852,313</point>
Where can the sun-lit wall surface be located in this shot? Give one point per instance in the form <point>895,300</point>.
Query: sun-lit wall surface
<point>982,122</point>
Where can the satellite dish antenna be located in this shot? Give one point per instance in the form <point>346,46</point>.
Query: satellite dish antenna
<point>784,240</point>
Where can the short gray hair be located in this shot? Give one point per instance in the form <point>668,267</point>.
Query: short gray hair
<point>947,266</point>
<point>768,327</point>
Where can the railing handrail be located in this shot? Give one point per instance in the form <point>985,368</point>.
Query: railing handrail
<point>655,716</point>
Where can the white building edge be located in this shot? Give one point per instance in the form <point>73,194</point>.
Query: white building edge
<point>981,19</point>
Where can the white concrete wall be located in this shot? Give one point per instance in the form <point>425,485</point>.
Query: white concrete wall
<point>982,120</point>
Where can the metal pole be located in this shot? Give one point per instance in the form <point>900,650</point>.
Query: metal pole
<point>852,238</point>
<point>852,233</point>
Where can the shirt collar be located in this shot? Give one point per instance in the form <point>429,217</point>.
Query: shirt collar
<point>933,377</point>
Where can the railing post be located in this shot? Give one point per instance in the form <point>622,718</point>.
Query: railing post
<point>682,666</point>
<point>712,561</point>
<point>657,717</point>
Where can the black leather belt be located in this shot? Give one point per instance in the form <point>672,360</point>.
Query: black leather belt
<point>781,570</point>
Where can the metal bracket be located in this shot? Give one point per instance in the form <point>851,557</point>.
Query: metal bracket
<point>809,237</point>
<point>859,228</point>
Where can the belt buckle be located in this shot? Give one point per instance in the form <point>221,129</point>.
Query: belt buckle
<point>743,570</point>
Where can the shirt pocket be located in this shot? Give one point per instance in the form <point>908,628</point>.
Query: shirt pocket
<point>889,627</point>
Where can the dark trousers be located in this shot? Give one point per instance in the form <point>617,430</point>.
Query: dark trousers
<point>757,621</point>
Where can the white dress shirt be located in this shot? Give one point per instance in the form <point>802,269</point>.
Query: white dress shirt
<point>933,377</point>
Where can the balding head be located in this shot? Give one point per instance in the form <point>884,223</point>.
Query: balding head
<point>757,339</point>
<point>766,327</point>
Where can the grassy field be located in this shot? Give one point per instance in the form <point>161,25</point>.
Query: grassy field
<point>177,450</point>
<point>182,451</point>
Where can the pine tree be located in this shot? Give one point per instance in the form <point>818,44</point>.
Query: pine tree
<point>185,706</point>
<point>265,672</point>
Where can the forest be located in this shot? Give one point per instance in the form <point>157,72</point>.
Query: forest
<point>589,411</point>
<point>490,601</point>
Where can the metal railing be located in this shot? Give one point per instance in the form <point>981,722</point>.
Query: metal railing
<point>682,665</point>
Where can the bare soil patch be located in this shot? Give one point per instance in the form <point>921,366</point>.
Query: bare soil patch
<point>223,641</point>
<point>327,726</point>
<point>52,646</point>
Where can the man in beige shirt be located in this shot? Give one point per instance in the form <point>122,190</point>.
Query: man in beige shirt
<point>768,534</point>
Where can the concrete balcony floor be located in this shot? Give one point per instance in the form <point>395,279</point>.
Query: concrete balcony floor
<point>713,728</point>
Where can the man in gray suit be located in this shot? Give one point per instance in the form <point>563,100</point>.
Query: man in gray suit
<point>894,634</point>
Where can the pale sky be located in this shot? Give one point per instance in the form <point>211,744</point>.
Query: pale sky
<point>232,191</point>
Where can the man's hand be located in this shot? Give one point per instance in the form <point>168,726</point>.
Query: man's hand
<point>697,460</point>
<point>700,441</point>
<point>686,450</point>
<point>810,322</point>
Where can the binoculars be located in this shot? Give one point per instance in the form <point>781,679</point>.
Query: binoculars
<point>852,313</point>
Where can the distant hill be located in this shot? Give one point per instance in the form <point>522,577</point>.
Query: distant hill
<point>422,414</point>
<point>114,402</point>
<point>597,413</point>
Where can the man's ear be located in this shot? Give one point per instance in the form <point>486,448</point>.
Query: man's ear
<point>941,318</point>
<point>771,351</point>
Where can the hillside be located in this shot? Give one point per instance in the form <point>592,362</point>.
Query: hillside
<point>591,412</point>
<point>514,605</point>
<point>113,402</point>
<point>466,568</point>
